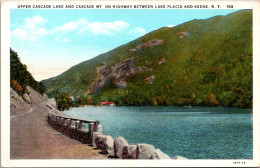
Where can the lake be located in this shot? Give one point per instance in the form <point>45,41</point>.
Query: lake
<point>191,132</point>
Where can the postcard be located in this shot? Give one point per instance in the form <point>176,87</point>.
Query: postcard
<point>130,83</point>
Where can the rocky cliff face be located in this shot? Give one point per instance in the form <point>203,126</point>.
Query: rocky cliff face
<point>118,73</point>
<point>153,42</point>
<point>33,97</point>
<point>17,104</point>
<point>23,104</point>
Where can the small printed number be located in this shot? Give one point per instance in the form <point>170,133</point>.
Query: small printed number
<point>229,6</point>
<point>239,162</point>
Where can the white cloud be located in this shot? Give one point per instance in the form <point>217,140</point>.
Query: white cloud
<point>137,31</point>
<point>170,26</point>
<point>73,25</point>
<point>108,28</point>
<point>120,24</point>
<point>40,32</point>
<point>83,25</point>
<point>34,22</point>
<point>21,33</point>
<point>32,29</point>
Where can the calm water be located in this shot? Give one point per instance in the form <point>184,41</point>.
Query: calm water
<point>195,133</point>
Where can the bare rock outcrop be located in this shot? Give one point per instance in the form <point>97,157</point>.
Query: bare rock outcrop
<point>26,97</point>
<point>17,104</point>
<point>118,73</point>
<point>182,34</point>
<point>33,96</point>
<point>153,42</point>
<point>51,103</point>
<point>150,79</point>
<point>104,74</point>
<point>23,104</point>
<point>162,61</point>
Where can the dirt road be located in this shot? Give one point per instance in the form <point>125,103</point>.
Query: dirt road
<point>32,138</point>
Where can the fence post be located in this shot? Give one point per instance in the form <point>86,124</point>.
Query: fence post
<point>56,119</point>
<point>80,125</point>
<point>68,126</point>
<point>98,128</point>
<point>91,129</point>
<point>76,123</point>
<point>74,128</point>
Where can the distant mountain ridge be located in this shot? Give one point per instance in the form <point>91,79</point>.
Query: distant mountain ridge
<point>200,62</point>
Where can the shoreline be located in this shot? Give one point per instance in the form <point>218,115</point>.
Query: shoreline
<point>108,117</point>
<point>174,107</point>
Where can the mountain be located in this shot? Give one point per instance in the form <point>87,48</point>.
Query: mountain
<point>200,62</point>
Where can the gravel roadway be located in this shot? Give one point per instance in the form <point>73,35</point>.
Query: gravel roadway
<point>33,138</point>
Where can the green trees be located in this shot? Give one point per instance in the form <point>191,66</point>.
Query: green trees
<point>237,97</point>
<point>64,101</point>
<point>83,100</point>
<point>20,77</point>
<point>211,66</point>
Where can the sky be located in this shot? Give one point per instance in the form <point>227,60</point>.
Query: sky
<point>50,41</point>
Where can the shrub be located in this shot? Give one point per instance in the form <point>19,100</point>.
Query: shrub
<point>211,100</point>
<point>227,98</point>
<point>18,88</point>
<point>84,100</point>
<point>64,101</point>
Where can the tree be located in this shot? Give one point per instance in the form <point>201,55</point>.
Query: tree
<point>21,77</point>
<point>84,100</point>
<point>211,100</point>
<point>17,87</point>
<point>64,101</point>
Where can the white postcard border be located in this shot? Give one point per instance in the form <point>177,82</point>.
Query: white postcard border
<point>5,92</point>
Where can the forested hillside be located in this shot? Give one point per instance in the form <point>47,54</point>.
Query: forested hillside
<point>201,62</point>
<point>21,77</point>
